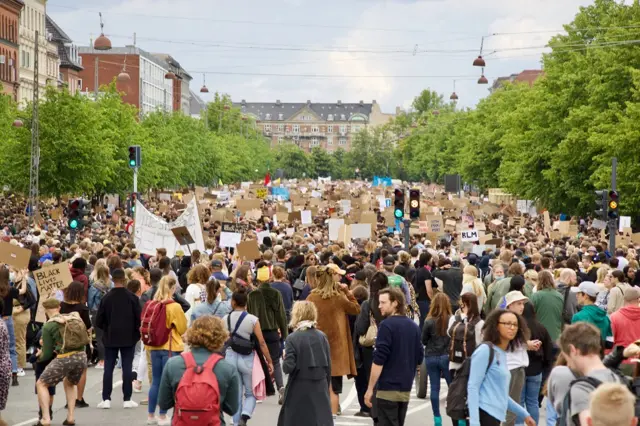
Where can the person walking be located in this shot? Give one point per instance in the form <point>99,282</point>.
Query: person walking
<point>214,304</point>
<point>436,343</point>
<point>5,365</point>
<point>489,377</point>
<point>119,319</point>
<point>9,293</point>
<point>243,329</point>
<point>176,323</point>
<point>307,362</point>
<point>99,284</point>
<point>549,304</point>
<point>397,354</point>
<point>334,302</point>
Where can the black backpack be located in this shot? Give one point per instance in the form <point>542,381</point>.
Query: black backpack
<point>634,387</point>
<point>457,407</point>
<point>463,339</point>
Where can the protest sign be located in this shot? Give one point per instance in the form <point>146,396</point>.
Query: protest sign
<point>51,282</point>
<point>469,236</point>
<point>15,256</point>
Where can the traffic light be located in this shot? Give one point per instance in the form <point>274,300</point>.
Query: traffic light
<point>131,203</point>
<point>613,205</point>
<point>414,204</point>
<point>76,213</point>
<point>135,157</point>
<point>398,203</point>
<point>601,204</point>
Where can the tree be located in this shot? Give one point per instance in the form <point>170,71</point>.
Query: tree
<point>428,100</point>
<point>293,160</point>
<point>322,162</point>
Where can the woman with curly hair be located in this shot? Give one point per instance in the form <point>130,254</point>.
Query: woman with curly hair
<point>206,338</point>
<point>196,290</point>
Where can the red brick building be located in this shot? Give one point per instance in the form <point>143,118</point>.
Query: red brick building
<point>526,76</point>
<point>9,42</point>
<point>70,61</point>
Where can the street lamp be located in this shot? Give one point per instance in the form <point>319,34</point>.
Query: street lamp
<point>204,88</point>
<point>17,123</point>
<point>479,61</point>
<point>483,79</point>
<point>102,42</point>
<point>454,95</point>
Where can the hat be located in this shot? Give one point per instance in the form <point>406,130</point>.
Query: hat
<point>336,269</point>
<point>179,253</point>
<point>514,296</point>
<point>361,275</point>
<point>263,274</point>
<point>106,242</point>
<point>51,303</point>
<point>631,295</point>
<point>593,249</point>
<point>589,288</point>
<point>427,243</point>
<point>389,260</point>
<point>215,263</point>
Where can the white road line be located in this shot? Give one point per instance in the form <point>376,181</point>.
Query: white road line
<point>27,422</point>
<point>353,393</point>
<point>115,385</point>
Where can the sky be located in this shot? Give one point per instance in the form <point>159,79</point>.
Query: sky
<point>324,51</point>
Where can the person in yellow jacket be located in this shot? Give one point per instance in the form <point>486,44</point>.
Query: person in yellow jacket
<point>177,322</point>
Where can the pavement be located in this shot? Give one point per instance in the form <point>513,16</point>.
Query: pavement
<point>22,406</point>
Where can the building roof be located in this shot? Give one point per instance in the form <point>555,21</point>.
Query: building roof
<point>529,76</point>
<point>196,104</point>
<point>173,63</point>
<point>128,50</point>
<point>61,39</point>
<point>270,111</point>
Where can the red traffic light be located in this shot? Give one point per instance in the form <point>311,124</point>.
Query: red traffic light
<point>613,195</point>
<point>398,193</point>
<point>74,205</point>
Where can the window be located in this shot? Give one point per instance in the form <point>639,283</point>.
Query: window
<point>267,117</point>
<point>330,117</point>
<point>343,130</point>
<point>280,117</point>
<point>329,129</point>
<point>267,127</point>
<point>343,117</point>
<point>296,128</point>
<point>80,84</point>
<point>281,127</point>
<point>342,141</point>
<point>355,128</point>
<point>280,140</point>
<point>315,129</point>
<point>315,142</point>
<point>330,141</point>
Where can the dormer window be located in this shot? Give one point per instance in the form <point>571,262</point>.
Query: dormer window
<point>330,117</point>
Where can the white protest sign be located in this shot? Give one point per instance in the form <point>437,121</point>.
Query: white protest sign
<point>262,235</point>
<point>360,230</point>
<point>316,194</point>
<point>599,224</point>
<point>152,232</point>
<point>625,222</point>
<point>230,239</point>
<point>305,217</point>
<point>469,236</point>
<point>334,228</point>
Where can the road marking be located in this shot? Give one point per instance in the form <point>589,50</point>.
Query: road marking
<point>26,422</point>
<point>115,385</point>
<point>353,393</point>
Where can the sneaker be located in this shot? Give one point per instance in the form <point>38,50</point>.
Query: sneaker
<point>152,421</point>
<point>280,396</point>
<point>100,366</point>
<point>130,404</point>
<point>21,372</point>
<point>137,386</point>
<point>164,422</point>
<point>105,405</point>
<point>362,414</point>
<point>81,403</point>
<point>144,402</point>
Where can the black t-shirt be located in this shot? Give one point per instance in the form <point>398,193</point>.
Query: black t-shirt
<point>422,275</point>
<point>7,311</point>
<point>80,308</point>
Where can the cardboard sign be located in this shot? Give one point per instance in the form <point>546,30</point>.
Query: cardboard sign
<point>15,256</point>
<point>547,222</point>
<point>183,236</point>
<point>51,282</point>
<point>248,250</point>
<point>237,228</point>
<point>305,217</point>
<point>295,216</point>
<point>246,205</point>
<point>435,224</point>
<point>469,236</point>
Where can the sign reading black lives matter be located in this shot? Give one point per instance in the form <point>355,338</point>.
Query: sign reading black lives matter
<point>51,282</point>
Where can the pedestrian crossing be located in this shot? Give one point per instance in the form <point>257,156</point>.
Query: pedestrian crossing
<point>350,406</point>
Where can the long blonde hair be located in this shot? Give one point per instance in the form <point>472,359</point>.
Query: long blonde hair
<point>326,287</point>
<point>165,288</point>
<point>470,276</point>
<point>303,311</point>
<point>100,272</point>
<point>601,274</point>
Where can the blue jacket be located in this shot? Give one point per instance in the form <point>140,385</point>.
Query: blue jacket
<point>489,389</point>
<point>219,308</point>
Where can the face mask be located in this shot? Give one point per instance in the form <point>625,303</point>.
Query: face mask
<point>498,277</point>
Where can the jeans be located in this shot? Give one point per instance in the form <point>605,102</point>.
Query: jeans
<point>552,416</point>
<point>424,310</point>
<point>159,359</point>
<point>244,364</point>
<point>437,366</point>
<point>529,398</point>
<point>111,355</point>
<point>13,354</point>
<point>391,413</point>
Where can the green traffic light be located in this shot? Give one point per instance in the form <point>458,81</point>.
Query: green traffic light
<point>399,213</point>
<point>73,224</point>
<point>132,163</point>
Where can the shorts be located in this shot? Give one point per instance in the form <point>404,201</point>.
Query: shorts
<point>336,384</point>
<point>69,367</point>
<point>39,369</point>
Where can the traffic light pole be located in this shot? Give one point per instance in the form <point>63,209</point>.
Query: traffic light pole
<point>407,234</point>
<point>135,180</point>
<point>613,223</point>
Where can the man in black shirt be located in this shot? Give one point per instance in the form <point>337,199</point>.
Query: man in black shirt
<point>422,285</point>
<point>451,281</point>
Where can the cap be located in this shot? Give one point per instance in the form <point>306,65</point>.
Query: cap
<point>336,269</point>
<point>215,263</point>
<point>631,294</point>
<point>106,242</point>
<point>389,260</point>
<point>361,275</point>
<point>263,274</point>
<point>51,303</point>
<point>514,296</point>
<point>180,253</point>
<point>593,249</point>
<point>589,288</point>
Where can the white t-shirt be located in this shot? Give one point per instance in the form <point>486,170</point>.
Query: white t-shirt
<point>518,358</point>
<point>193,295</point>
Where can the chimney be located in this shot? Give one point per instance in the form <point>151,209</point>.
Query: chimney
<point>361,103</point>
<point>243,102</point>
<point>339,102</point>
<point>278,102</point>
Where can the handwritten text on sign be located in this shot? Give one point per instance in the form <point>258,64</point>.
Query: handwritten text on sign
<point>51,282</point>
<point>469,236</point>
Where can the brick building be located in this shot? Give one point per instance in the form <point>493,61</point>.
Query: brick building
<point>309,125</point>
<point>9,26</point>
<point>70,61</point>
<point>526,76</point>
<point>148,89</point>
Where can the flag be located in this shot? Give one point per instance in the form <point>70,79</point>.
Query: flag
<point>267,179</point>
<point>219,182</point>
<point>277,182</point>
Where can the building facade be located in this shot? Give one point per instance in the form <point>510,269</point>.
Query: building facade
<point>32,21</point>
<point>329,126</point>
<point>9,46</point>
<point>70,60</point>
<point>181,94</point>
<point>148,89</point>
<point>526,76</point>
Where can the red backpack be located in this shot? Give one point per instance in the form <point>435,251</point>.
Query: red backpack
<point>198,394</point>
<point>153,327</point>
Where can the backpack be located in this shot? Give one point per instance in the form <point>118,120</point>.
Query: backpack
<point>634,387</point>
<point>73,331</point>
<point>457,407</point>
<point>153,327</point>
<point>198,394</point>
<point>463,339</point>
<point>395,281</point>
<point>239,344</point>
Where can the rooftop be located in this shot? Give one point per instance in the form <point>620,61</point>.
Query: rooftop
<point>282,111</point>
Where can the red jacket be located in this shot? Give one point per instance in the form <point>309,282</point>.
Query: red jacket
<point>625,324</point>
<point>78,275</point>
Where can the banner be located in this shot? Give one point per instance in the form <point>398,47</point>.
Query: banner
<point>382,181</point>
<point>51,282</point>
<point>281,193</point>
<point>152,232</point>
